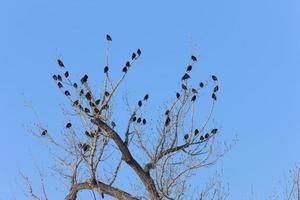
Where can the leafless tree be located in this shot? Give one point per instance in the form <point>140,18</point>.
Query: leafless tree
<point>91,153</point>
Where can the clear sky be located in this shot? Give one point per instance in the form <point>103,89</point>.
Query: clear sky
<point>253,47</point>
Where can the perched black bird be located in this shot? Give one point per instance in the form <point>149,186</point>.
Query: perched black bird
<point>127,64</point>
<point>186,136</point>
<point>91,135</point>
<point>214,78</point>
<point>84,79</point>
<point>206,135</point>
<point>185,77</point>
<point>92,104</point>
<point>189,68</point>
<point>66,74</point>
<point>214,131</point>
<point>133,118</point>
<point>214,97</point>
<point>44,132</point>
<point>146,97</point>
<point>196,132</point>
<point>140,103</point>
<point>67,93</point>
<point>54,77</point>
<point>193,58</point>
<point>216,88</point>
<point>194,98</point>
<point>177,95</point>
<point>133,56</point>
<point>68,125</point>
<point>86,110</point>
<point>85,147</point>
<point>88,96</point>
<point>97,101</point>
<point>75,85</point>
<point>113,124</point>
<point>96,110</point>
<point>59,85</point>
<point>59,78</point>
<point>76,103</point>
<point>183,87</point>
<point>194,90</point>
<point>106,93</point>
<point>167,122</point>
<point>201,138</point>
<point>144,121</point>
<point>105,69</point>
<point>138,52</point>
<point>108,38</point>
<point>201,84</point>
<point>60,63</point>
<point>167,112</point>
<point>81,92</point>
<point>139,120</point>
<point>125,69</point>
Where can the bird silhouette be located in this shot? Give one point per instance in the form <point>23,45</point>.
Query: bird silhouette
<point>144,121</point>
<point>216,88</point>
<point>66,74</point>
<point>214,131</point>
<point>96,110</point>
<point>177,95</point>
<point>134,118</point>
<point>196,132</point>
<point>97,101</point>
<point>44,132</point>
<point>139,120</point>
<point>76,103</point>
<point>214,97</point>
<point>59,78</point>
<point>60,63</point>
<point>67,93</point>
<point>54,77</point>
<point>105,69</point>
<point>214,78</point>
<point>146,97</point>
<point>81,92</point>
<point>75,85</point>
<point>92,104</point>
<point>133,56</point>
<point>138,52</point>
<point>84,79</point>
<point>59,85</point>
<point>185,77</point>
<point>168,120</point>
<point>194,90</point>
<point>167,112</point>
<point>186,136</point>
<point>189,68</point>
<point>206,136</point>
<point>86,110</point>
<point>88,96</point>
<point>194,58</point>
<point>140,103</point>
<point>127,64</point>
<point>106,93</point>
<point>113,124</point>
<point>201,85</point>
<point>85,147</point>
<point>125,69</point>
<point>68,125</point>
<point>194,98</point>
<point>183,87</point>
<point>108,38</point>
<point>201,138</point>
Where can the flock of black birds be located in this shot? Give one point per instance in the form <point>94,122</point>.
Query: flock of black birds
<point>93,103</point>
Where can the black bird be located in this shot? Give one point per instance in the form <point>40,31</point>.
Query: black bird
<point>86,110</point>
<point>216,88</point>
<point>134,118</point>
<point>60,63</point>
<point>96,110</point>
<point>185,77</point>
<point>44,132</point>
<point>59,78</point>
<point>85,147</point>
<point>113,124</point>
<point>106,93</point>
<point>214,78</point>
<point>76,103</point>
<point>91,135</point>
<point>201,84</point>
<point>84,79</point>
<point>97,101</point>
<point>140,103</point>
<point>139,120</point>
<point>125,69</point>
<point>88,96</point>
<point>54,77</point>
<point>75,85</point>
<point>66,74</point>
<point>193,58</point>
<point>194,90</point>
<point>177,95</point>
<point>105,69</point>
<point>206,135</point>
<point>92,104</point>
<point>80,107</point>
<point>214,97</point>
<point>186,136</point>
<point>81,92</point>
<point>127,64</point>
<point>144,121</point>
<point>68,125</point>
<point>133,56</point>
<point>146,97</point>
<point>201,138</point>
<point>189,68</point>
<point>67,93</point>
<point>167,112</point>
<point>167,122</point>
<point>108,38</point>
<point>138,52</point>
<point>194,98</point>
<point>183,87</point>
<point>59,85</point>
<point>214,131</point>
<point>196,132</point>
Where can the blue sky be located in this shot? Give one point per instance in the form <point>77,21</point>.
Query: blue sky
<point>253,47</point>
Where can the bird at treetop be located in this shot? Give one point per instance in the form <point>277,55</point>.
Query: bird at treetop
<point>44,132</point>
<point>75,85</point>
<point>66,74</point>
<point>59,85</point>
<point>68,125</point>
<point>88,96</point>
<point>138,52</point>
<point>216,88</point>
<point>139,120</point>
<point>67,93</point>
<point>194,98</point>
<point>113,124</point>
<point>167,122</point>
<point>177,95</point>
<point>144,121</point>
<point>214,78</point>
<point>206,135</point>
<point>193,58</point>
<point>76,103</point>
<point>183,87</point>
<point>106,93</point>
<point>60,63</point>
<point>133,56</point>
<point>214,131</point>
<point>59,77</point>
<point>125,69</point>
<point>194,90</point>
<point>84,79</point>
<point>81,92</point>
<point>127,64</point>
<point>86,110</point>
<point>201,138</point>
<point>54,77</point>
<point>108,38</point>
<point>146,97</point>
<point>214,97</point>
<point>167,112</point>
<point>201,84</point>
<point>196,132</point>
<point>140,103</point>
<point>185,77</point>
<point>186,136</point>
<point>105,69</point>
<point>189,68</point>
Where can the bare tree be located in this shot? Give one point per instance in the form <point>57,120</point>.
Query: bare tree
<point>91,152</point>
